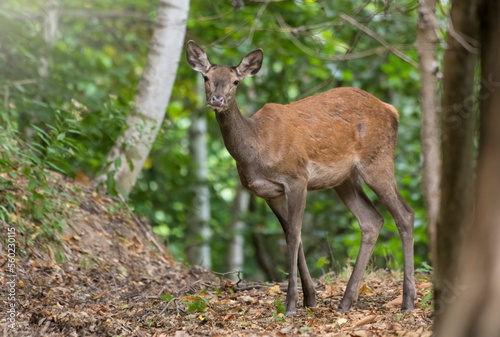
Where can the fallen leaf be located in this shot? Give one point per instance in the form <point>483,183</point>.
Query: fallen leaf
<point>365,320</point>
<point>228,317</point>
<point>274,290</point>
<point>425,285</point>
<point>330,290</point>
<point>395,302</point>
<point>81,178</point>
<point>247,299</point>
<point>341,321</point>
<point>50,293</point>
<point>396,327</point>
<point>365,290</point>
<point>360,333</point>
<point>13,217</point>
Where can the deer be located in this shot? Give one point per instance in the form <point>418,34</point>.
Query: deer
<point>332,140</point>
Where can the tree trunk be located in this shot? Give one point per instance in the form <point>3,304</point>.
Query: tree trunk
<point>49,31</point>
<point>126,158</point>
<point>236,255</point>
<point>458,127</point>
<point>429,67</point>
<point>198,234</point>
<point>474,310</point>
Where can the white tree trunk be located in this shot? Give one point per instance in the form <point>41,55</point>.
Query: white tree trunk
<point>236,256</point>
<point>198,233</point>
<point>49,31</point>
<point>429,67</point>
<point>132,148</point>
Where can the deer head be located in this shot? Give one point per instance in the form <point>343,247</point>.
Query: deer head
<point>221,82</point>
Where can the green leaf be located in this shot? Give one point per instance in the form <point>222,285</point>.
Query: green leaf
<point>32,184</point>
<point>280,306</point>
<point>321,262</point>
<point>426,299</point>
<point>197,306</point>
<point>167,297</point>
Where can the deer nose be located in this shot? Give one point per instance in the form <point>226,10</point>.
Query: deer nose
<point>217,101</point>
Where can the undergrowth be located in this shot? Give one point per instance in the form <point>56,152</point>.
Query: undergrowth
<point>29,198</point>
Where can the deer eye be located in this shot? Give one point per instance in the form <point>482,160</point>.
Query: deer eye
<point>236,82</point>
<point>205,78</point>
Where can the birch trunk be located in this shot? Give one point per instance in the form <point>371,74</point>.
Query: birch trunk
<point>236,256</point>
<point>429,67</point>
<point>133,146</point>
<point>474,307</point>
<point>198,233</point>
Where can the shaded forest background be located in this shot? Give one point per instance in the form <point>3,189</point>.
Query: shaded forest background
<point>67,90</point>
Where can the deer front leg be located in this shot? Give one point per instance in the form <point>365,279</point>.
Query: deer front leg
<point>296,200</point>
<point>280,209</point>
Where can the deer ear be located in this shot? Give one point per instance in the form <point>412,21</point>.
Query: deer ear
<point>250,65</point>
<point>197,58</point>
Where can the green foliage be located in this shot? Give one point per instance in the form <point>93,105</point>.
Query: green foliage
<point>167,297</point>
<point>305,329</point>
<point>39,210</point>
<point>197,304</point>
<point>425,301</point>
<point>69,119</point>
<point>425,268</point>
<point>321,262</point>
<point>279,314</point>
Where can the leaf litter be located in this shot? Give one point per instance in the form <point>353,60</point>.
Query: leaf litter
<point>116,280</point>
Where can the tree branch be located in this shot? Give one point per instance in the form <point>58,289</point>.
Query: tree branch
<point>377,37</point>
<point>327,57</point>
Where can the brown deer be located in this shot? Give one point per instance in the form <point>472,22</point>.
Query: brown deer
<point>329,140</point>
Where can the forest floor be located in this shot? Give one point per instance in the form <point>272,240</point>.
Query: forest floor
<point>116,280</point>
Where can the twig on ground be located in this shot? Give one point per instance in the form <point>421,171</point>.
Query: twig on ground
<point>113,276</point>
<point>189,287</point>
<point>45,327</point>
<point>175,299</point>
<point>238,272</point>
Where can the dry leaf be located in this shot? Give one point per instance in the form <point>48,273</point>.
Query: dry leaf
<point>51,254</point>
<point>329,291</point>
<point>50,293</point>
<point>13,217</point>
<point>96,296</point>
<point>247,299</point>
<point>365,290</point>
<point>274,290</point>
<point>395,302</point>
<point>366,320</point>
<point>81,178</point>
<point>341,321</point>
<point>228,317</point>
<point>425,285</point>
<point>396,327</point>
<point>360,333</point>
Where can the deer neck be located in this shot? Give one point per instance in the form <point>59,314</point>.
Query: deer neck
<point>238,133</point>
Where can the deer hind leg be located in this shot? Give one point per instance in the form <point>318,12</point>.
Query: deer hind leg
<point>380,178</point>
<point>370,222</point>
<point>280,209</point>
